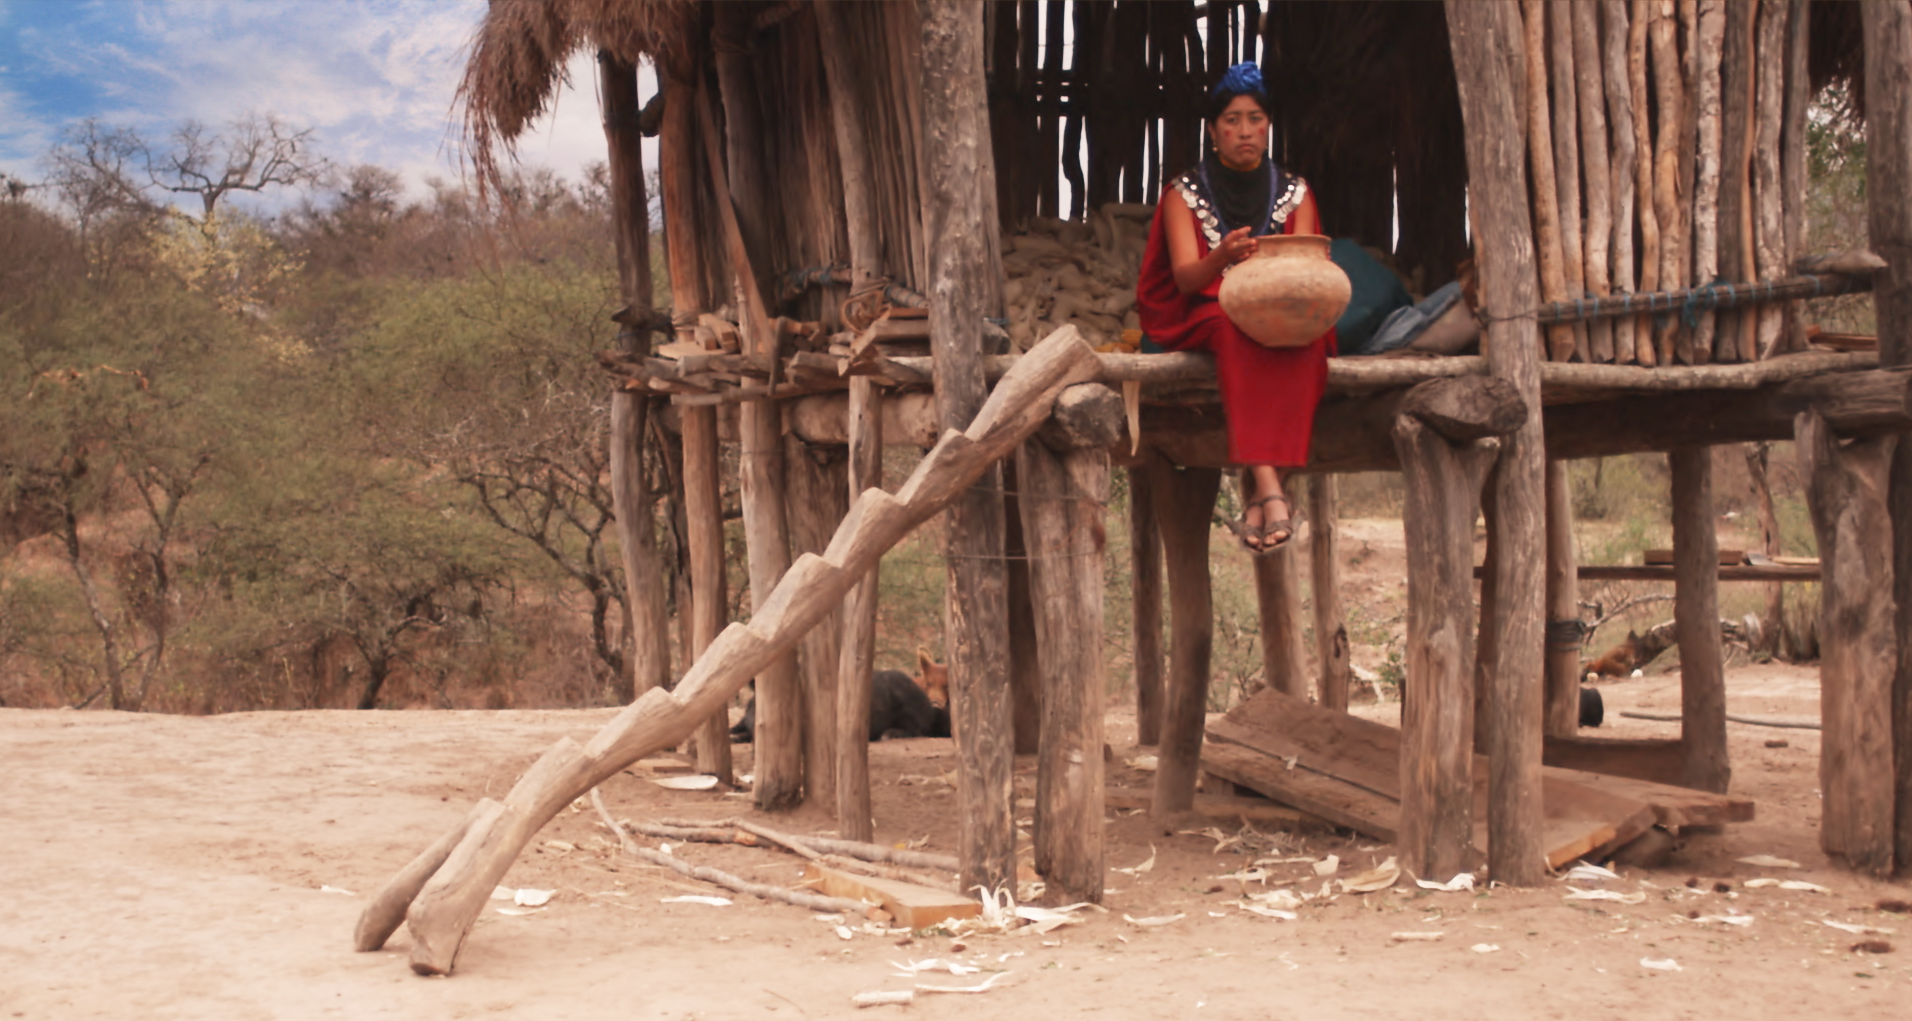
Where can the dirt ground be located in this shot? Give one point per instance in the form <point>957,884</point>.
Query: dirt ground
<point>177,867</point>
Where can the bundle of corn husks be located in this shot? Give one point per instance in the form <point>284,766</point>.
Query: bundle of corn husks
<point>1081,273</point>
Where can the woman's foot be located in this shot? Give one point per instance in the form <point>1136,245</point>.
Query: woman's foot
<point>1267,524</point>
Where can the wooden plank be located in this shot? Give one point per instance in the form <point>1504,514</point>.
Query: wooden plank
<point>909,905</point>
<point>1340,803</point>
<point>1346,771</point>
<point>1642,758</point>
<point>1222,806</point>
<point>1671,805</point>
<point>1727,557</point>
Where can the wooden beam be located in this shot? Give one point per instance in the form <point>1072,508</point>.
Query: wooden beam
<point>1696,609</point>
<point>1845,489</point>
<point>961,263</point>
<point>1488,62</point>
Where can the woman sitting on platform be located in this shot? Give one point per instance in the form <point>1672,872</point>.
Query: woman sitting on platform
<point>1207,221</point>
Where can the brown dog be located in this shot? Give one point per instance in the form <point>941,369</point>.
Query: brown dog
<point>933,678</point>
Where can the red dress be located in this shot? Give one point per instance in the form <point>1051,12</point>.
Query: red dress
<point>1269,395</point>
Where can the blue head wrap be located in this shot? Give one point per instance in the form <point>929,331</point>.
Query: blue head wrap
<point>1241,78</point>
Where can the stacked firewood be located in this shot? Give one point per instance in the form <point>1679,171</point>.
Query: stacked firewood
<point>1074,273</point>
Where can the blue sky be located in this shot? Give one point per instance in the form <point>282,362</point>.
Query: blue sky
<point>374,78</point>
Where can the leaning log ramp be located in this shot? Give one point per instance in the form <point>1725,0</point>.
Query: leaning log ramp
<point>439,895</point>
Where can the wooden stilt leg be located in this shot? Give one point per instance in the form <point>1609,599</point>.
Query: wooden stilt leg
<point>856,658</point>
<point>1145,586</point>
<point>1858,644</point>
<point>1278,599</point>
<point>1443,479</point>
<point>1696,608</point>
<point>1025,677</point>
<point>1183,503</point>
<point>1334,668</point>
<point>1062,511</point>
<point>1563,608</point>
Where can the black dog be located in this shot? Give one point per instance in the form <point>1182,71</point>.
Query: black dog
<point>898,708</point>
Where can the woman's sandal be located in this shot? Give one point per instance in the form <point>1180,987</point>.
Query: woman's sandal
<point>1253,538</point>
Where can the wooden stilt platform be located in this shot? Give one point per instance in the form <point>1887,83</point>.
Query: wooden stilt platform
<point>1347,770</point>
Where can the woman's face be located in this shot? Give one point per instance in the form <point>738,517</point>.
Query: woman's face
<point>1240,134</point>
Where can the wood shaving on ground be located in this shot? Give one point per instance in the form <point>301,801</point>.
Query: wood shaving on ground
<point>1768,861</point>
<point>1585,873</point>
<point>1856,929</point>
<point>1267,912</point>
<point>686,783</point>
<point>1413,937</point>
<point>981,987</point>
<point>1800,885</point>
<point>1485,948</point>
<point>529,898</point>
<point>1462,881</point>
<point>914,968</point>
<point>1328,866</point>
<point>1153,922</point>
<point>884,999</point>
<point>1139,869</point>
<point>336,889</point>
<point>1247,876</point>
<point>1575,893</point>
<point>694,898</point>
<point>1728,919</point>
<point>1661,964</point>
<point>1287,899</point>
<point>1379,877</point>
<point>1222,840</point>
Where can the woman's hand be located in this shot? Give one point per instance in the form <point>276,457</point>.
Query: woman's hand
<point>1237,246</point>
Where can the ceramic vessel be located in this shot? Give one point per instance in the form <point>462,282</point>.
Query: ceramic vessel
<point>1288,293</point>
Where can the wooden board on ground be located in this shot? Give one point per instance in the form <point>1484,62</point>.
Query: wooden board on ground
<point>1658,759</point>
<point>1253,808</point>
<point>917,907</point>
<point>1347,770</point>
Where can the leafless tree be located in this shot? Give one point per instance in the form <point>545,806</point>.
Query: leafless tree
<point>254,153</point>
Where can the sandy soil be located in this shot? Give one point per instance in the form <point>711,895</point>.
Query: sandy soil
<point>171,867</point>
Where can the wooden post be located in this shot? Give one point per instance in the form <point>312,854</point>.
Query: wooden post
<point>1566,162</point>
<point>1062,501</point>
<point>703,505</point>
<point>1563,608</point>
<point>779,738</point>
<point>630,218</point>
<point>1335,667</point>
<point>856,660</point>
<point>1712,31</point>
<point>1184,501</point>
<point>1487,643</point>
<point>1025,674</point>
<point>1769,227</point>
<point>1625,162</point>
<point>1641,16</point>
<point>1145,588</point>
<point>1670,104</point>
<point>1436,835</point>
<point>1792,158</point>
<point>1888,35</point>
<point>856,656</point>
<point>1553,280</point>
<point>1489,62</point>
<point>1696,609</point>
<point>1591,88</point>
<point>1278,611</point>
<point>961,264</point>
<point>1845,492</point>
<point>818,495</point>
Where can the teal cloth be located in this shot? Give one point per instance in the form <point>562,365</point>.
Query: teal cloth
<point>1377,292</point>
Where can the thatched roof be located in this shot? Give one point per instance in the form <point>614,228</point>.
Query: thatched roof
<point>518,57</point>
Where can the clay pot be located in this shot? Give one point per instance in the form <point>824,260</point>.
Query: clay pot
<point>1288,293</point>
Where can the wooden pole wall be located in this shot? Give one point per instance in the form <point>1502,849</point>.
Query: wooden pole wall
<point>1489,59</point>
<point>1888,51</point>
<point>960,263</point>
